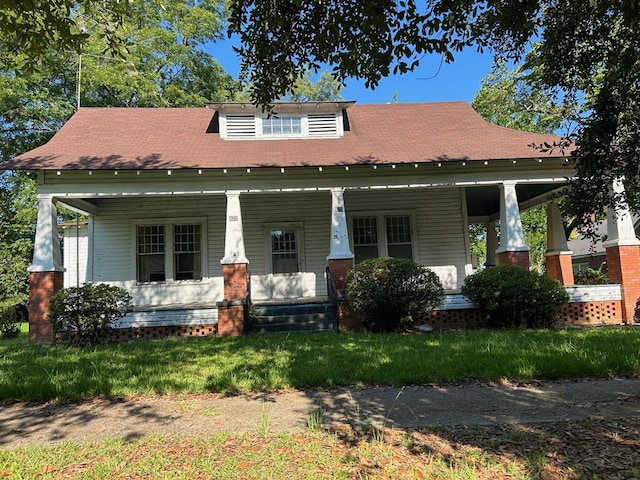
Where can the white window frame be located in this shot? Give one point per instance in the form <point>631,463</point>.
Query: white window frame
<point>304,127</point>
<point>299,228</point>
<point>381,224</point>
<point>168,224</point>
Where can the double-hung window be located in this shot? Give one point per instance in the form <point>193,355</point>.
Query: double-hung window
<point>169,251</point>
<point>382,236</point>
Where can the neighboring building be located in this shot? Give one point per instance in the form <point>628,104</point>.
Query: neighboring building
<point>182,202</point>
<point>590,253</point>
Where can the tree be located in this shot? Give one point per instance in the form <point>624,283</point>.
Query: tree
<point>30,28</point>
<point>588,49</point>
<point>325,89</point>
<point>516,99</point>
<point>165,64</point>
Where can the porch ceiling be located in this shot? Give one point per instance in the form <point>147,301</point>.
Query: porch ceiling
<point>483,202</point>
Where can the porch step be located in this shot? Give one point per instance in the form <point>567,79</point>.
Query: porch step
<point>291,317</point>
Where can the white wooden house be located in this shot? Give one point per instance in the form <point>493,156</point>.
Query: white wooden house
<point>182,203</point>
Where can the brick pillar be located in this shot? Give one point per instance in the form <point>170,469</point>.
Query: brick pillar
<point>231,309</point>
<point>559,267</point>
<point>623,251</point>
<point>623,263</point>
<point>558,255</point>
<point>346,317</point>
<point>520,258</point>
<point>42,286</point>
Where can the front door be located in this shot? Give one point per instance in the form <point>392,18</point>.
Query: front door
<point>285,262</point>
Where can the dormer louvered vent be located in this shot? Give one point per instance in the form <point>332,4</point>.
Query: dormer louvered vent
<point>241,126</point>
<point>323,125</point>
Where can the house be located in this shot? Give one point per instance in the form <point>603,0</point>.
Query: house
<point>590,253</point>
<point>189,208</point>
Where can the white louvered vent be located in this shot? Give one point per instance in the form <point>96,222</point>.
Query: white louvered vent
<point>323,125</point>
<point>241,126</point>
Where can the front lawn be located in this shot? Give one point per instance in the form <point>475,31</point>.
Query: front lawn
<point>266,363</point>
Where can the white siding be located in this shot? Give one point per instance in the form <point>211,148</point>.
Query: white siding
<point>439,225</point>
<point>438,234</point>
<point>114,249</point>
<point>75,247</point>
<point>312,211</point>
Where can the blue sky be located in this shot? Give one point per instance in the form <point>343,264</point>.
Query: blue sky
<point>432,81</point>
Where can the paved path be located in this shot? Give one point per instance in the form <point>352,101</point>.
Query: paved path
<point>409,407</point>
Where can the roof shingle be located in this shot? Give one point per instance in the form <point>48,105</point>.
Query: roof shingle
<point>173,138</point>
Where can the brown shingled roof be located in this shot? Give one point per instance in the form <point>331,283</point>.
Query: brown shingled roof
<point>172,138</point>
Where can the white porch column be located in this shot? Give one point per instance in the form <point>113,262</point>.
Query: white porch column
<point>556,237</point>
<point>339,248</point>
<point>47,255</point>
<point>234,239</point>
<point>620,231</point>
<point>492,244</point>
<point>512,249</point>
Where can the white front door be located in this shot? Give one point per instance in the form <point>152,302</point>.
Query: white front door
<point>285,258</point>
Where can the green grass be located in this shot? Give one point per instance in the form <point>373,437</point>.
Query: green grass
<point>31,372</point>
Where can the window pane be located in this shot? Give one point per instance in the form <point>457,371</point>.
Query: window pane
<point>365,238</point>
<point>284,251</point>
<point>281,126</point>
<point>365,252</point>
<point>401,251</point>
<point>399,236</point>
<point>187,257</point>
<point>150,253</point>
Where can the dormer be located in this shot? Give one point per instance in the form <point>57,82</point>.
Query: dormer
<point>245,121</point>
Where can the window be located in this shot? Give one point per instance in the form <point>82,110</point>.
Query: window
<point>284,251</point>
<point>281,126</point>
<point>169,252</point>
<point>370,241</point>
<point>151,253</point>
<point>186,252</point>
<point>365,238</point>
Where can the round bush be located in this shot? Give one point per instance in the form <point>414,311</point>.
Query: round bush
<point>512,296</point>
<point>85,315</point>
<point>389,293</point>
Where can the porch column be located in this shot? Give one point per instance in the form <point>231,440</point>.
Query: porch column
<point>513,249</point>
<point>623,252</point>
<point>492,244</point>
<point>340,259</point>
<point>231,310</point>
<point>46,273</point>
<point>558,255</point>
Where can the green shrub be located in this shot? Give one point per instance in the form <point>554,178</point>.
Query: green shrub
<point>86,315</point>
<point>590,277</point>
<point>13,312</point>
<point>389,293</point>
<point>512,296</point>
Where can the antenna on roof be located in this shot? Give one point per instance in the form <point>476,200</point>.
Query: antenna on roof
<point>78,80</point>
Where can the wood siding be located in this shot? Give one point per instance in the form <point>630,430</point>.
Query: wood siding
<point>437,221</point>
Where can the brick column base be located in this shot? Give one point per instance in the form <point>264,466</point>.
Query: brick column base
<point>42,286</point>
<point>559,267</point>
<point>231,309</point>
<point>623,265</point>
<point>520,258</point>
<point>347,319</point>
